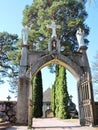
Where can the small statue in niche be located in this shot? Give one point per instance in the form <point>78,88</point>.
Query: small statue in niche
<point>54,45</point>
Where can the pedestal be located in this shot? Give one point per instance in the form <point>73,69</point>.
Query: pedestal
<point>22,102</point>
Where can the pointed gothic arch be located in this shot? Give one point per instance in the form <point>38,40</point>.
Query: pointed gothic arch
<point>60,59</point>
<point>76,63</point>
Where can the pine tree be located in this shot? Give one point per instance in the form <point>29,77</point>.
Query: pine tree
<point>70,14</point>
<point>37,96</point>
<point>9,59</point>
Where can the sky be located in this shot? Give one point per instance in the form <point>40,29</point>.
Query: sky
<point>11,14</point>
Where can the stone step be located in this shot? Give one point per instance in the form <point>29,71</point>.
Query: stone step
<point>4,125</point>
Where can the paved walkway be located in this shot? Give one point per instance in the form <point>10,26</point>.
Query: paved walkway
<point>54,124</point>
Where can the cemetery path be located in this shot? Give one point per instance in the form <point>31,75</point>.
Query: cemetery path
<point>54,124</point>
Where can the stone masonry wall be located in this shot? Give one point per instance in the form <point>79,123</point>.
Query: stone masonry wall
<point>8,111</point>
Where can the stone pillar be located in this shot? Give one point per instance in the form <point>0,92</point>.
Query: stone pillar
<point>30,104</point>
<point>23,88</point>
<point>22,101</point>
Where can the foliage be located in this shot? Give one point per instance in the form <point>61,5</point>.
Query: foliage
<point>69,14</point>
<point>60,95</point>
<point>53,104</point>
<point>9,57</point>
<point>37,95</point>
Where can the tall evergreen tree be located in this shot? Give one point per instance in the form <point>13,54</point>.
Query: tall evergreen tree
<point>60,94</point>
<point>53,104</point>
<point>37,96</point>
<point>63,94</point>
<point>54,96</point>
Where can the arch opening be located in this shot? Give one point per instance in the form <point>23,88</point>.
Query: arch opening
<point>49,80</point>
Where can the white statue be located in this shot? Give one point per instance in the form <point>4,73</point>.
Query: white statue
<point>25,34</point>
<point>80,37</point>
<point>53,26</point>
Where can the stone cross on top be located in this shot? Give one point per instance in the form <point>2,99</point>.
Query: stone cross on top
<point>53,26</point>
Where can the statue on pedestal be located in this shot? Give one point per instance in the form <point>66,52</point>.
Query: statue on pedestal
<point>25,34</point>
<point>80,37</point>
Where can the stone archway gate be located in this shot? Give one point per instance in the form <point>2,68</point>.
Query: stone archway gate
<point>77,63</point>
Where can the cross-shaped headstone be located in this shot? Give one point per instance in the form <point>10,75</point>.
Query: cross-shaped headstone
<point>53,26</point>
<point>8,97</point>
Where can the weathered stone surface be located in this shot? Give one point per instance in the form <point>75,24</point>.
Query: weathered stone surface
<point>77,63</point>
<point>22,101</point>
<point>8,111</point>
<point>72,62</point>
